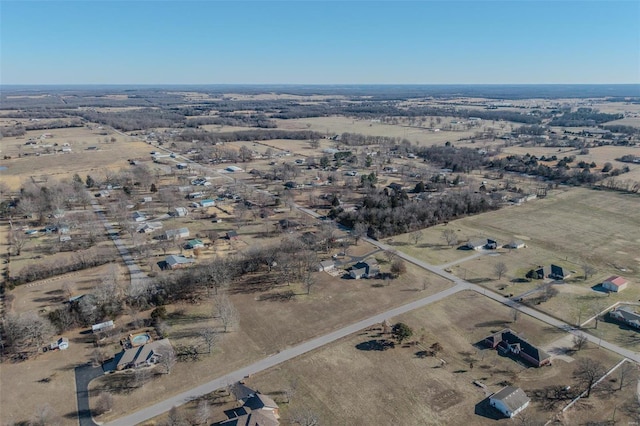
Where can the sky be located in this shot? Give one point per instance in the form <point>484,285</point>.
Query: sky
<point>319,42</point>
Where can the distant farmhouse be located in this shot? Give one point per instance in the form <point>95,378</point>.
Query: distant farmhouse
<point>173,234</point>
<point>176,262</point>
<point>626,315</point>
<point>142,356</point>
<point>482,243</point>
<point>509,341</point>
<point>615,283</point>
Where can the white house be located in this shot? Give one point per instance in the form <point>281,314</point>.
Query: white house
<point>149,227</point>
<point>207,203</point>
<point>233,169</point>
<point>180,211</point>
<point>509,400</point>
<point>516,244</point>
<point>615,283</point>
<point>176,233</point>
<point>147,199</point>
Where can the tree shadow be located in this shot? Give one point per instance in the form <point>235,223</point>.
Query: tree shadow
<point>376,345</point>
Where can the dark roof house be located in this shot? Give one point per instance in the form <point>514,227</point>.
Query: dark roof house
<point>509,341</point>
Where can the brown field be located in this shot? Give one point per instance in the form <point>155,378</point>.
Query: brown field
<point>599,155</point>
<point>346,385</point>
<point>337,125</point>
<point>111,156</point>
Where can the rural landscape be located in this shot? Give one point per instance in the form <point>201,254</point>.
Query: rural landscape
<point>320,255</point>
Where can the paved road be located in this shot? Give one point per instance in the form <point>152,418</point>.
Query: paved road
<point>278,358</point>
<point>289,353</point>
<point>84,375</point>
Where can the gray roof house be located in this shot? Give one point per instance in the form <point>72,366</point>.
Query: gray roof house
<point>326,265</point>
<point>364,270</point>
<point>176,233</point>
<point>627,315</point>
<point>509,400</point>
<point>175,262</point>
<point>256,409</point>
<point>141,356</point>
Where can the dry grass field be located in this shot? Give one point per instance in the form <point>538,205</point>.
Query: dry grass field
<point>345,383</point>
<point>337,125</point>
<point>108,156</point>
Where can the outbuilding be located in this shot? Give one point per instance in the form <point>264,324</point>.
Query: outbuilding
<point>509,400</point>
<point>615,283</point>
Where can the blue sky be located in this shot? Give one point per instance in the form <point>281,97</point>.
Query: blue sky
<point>329,42</point>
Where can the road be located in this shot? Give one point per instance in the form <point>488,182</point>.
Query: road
<point>290,353</point>
<point>279,358</point>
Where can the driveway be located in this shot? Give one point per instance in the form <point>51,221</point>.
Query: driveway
<point>84,375</point>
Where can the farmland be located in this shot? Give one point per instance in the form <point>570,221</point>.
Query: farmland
<point>283,194</point>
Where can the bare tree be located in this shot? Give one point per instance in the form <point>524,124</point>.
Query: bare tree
<point>500,269</point>
<point>624,371</point>
<point>579,341</point>
<point>104,403</point>
<point>416,236</point>
<point>176,418</point>
<point>304,417</point>
<point>391,255</point>
<point>359,231</point>
<point>226,311</point>
<point>588,270</point>
<point>308,280</point>
<point>450,237</point>
<point>203,413</point>
<point>398,267</point>
<point>45,415</point>
<point>588,371</point>
<point>18,240</point>
<point>210,338</point>
<point>167,359</point>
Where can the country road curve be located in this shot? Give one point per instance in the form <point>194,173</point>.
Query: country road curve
<point>292,352</point>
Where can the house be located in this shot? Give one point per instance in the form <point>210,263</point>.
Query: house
<point>326,265</point>
<point>194,244</point>
<point>139,216</point>
<point>557,273</point>
<point>195,195</point>
<point>232,235</point>
<point>103,326</point>
<point>509,341</point>
<point>615,283</point>
<point>149,227</point>
<point>395,186</point>
<point>180,212</point>
<point>103,193</point>
<point>509,400</point>
<point>233,169</point>
<point>288,224</point>
<point>65,238</point>
<point>256,409</point>
<point>627,315</point>
<point>181,166</point>
<point>207,203</point>
<point>147,199</point>
<point>142,356</point>
<point>176,262</point>
<point>291,185</point>
<point>516,244</point>
<point>364,270</point>
<point>478,244</point>
<point>173,234</point>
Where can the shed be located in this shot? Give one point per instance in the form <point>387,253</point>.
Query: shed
<point>207,203</point>
<point>176,262</point>
<point>516,244</point>
<point>139,216</point>
<point>180,212</point>
<point>615,283</point>
<point>233,169</point>
<point>232,235</point>
<point>326,265</point>
<point>194,244</point>
<point>103,326</point>
<point>509,400</point>
<point>147,199</point>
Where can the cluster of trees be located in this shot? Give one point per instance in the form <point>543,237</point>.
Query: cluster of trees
<point>561,173</point>
<point>620,128</point>
<point>389,213</point>
<point>459,160</point>
<point>135,119</point>
<point>25,332</point>
<point>583,117</point>
<point>240,120</point>
<point>188,135</point>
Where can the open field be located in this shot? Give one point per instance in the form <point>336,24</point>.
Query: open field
<point>346,383</point>
<point>599,155</point>
<point>108,156</point>
<point>331,126</point>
